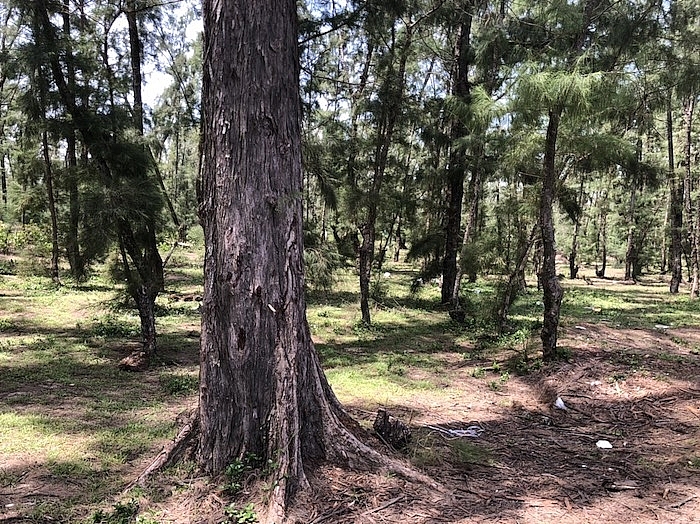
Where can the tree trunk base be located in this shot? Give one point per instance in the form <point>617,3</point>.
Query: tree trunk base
<point>359,458</point>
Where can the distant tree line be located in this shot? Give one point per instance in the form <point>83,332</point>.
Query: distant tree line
<point>473,138</point>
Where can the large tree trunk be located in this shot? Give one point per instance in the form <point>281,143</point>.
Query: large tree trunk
<point>553,293</point>
<point>457,164</point>
<point>262,388</point>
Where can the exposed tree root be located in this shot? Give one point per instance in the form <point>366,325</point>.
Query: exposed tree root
<point>349,451</point>
<point>181,446</point>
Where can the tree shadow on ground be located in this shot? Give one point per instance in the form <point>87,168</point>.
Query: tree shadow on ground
<point>544,461</point>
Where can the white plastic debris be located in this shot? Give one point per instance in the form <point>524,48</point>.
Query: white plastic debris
<point>387,275</point>
<point>471,431</point>
<point>559,404</point>
<point>581,328</point>
<point>603,444</point>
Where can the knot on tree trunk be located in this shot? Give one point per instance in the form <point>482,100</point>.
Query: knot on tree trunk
<point>392,430</point>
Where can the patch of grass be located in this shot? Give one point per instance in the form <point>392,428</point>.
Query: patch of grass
<point>70,469</point>
<point>7,325</point>
<point>9,478</point>
<point>694,462</point>
<point>110,326</point>
<point>465,453</point>
<point>118,445</point>
<point>179,383</point>
<point>670,357</point>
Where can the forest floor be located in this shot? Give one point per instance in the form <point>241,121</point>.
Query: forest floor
<point>74,430</point>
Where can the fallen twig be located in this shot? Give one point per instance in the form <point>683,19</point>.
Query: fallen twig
<point>681,503</point>
<point>384,506</point>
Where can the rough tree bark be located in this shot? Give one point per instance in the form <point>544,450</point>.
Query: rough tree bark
<point>262,388</point>
<point>457,165</point>
<point>551,287</point>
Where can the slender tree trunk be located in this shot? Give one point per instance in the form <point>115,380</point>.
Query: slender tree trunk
<point>262,388</point>
<point>675,191</point>
<point>511,288</point>
<point>394,84</point>
<point>75,257</point>
<point>550,283</point>
<point>573,266</point>
<point>3,176</point>
<point>135,56</point>
<point>695,289</point>
<point>146,275</point>
<point>457,163</point>
<point>601,241</point>
<point>631,252</point>
<point>694,225</point>
<point>48,180</point>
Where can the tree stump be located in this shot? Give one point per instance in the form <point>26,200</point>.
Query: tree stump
<point>136,361</point>
<point>392,430</point>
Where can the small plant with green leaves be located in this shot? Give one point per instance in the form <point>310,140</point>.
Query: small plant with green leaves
<point>236,471</point>
<point>478,372</point>
<point>495,385</point>
<point>244,515</point>
<point>122,513</point>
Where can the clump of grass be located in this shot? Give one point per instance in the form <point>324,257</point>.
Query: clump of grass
<point>109,326</point>
<point>178,383</point>
<point>466,453</point>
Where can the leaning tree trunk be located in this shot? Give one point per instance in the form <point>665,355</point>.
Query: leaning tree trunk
<point>262,388</point>
<point>550,283</point>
